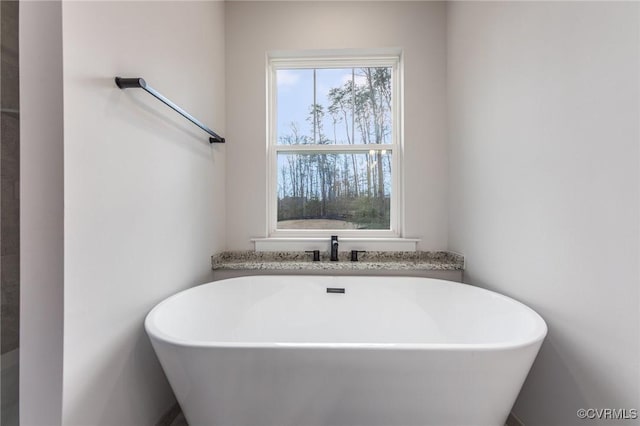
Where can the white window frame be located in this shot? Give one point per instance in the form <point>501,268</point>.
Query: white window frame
<point>352,59</point>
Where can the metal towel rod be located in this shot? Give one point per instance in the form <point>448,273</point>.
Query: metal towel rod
<point>139,83</point>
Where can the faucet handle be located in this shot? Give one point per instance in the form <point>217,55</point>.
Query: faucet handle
<point>354,254</point>
<point>316,254</point>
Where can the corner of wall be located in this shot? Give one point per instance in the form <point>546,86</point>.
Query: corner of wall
<point>41,213</point>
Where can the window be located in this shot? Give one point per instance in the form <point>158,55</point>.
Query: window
<point>334,146</point>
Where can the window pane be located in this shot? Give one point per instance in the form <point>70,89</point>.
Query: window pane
<point>334,106</point>
<point>294,101</point>
<point>334,190</point>
<point>372,105</point>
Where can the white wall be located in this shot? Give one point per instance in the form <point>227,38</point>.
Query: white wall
<point>254,28</point>
<point>544,110</point>
<point>41,213</point>
<point>144,193</point>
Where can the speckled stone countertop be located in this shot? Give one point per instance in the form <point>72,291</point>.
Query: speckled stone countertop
<point>422,260</point>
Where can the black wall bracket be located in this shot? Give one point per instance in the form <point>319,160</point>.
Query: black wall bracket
<point>139,83</point>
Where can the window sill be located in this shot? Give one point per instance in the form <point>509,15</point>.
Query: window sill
<point>346,244</point>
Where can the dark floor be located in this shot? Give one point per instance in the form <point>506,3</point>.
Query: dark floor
<point>180,421</point>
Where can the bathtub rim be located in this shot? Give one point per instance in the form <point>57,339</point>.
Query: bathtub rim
<point>538,336</point>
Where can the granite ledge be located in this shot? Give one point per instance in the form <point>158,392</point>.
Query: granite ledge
<point>371,260</point>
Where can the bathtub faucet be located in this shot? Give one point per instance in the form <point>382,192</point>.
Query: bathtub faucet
<point>334,248</point>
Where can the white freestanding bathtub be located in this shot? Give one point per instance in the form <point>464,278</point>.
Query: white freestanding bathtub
<point>286,351</point>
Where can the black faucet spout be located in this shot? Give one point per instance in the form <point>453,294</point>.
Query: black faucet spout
<point>334,248</point>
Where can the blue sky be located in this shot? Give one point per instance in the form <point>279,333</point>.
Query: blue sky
<point>295,96</point>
